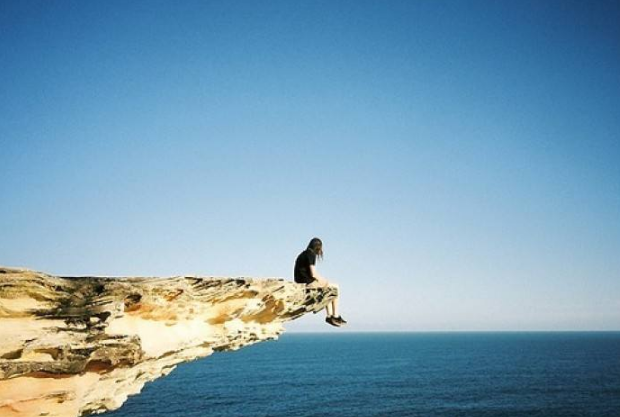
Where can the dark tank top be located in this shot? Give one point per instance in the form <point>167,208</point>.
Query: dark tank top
<point>302,267</point>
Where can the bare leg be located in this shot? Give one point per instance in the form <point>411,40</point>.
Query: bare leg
<point>334,304</point>
<point>332,307</point>
<point>329,309</point>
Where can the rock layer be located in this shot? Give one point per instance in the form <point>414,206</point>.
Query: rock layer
<point>76,345</point>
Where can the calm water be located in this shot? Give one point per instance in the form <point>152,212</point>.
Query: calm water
<point>396,374</point>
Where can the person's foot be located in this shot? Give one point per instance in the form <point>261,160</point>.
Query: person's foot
<point>332,320</point>
<point>340,320</point>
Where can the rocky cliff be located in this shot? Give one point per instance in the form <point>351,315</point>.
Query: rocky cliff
<point>73,346</point>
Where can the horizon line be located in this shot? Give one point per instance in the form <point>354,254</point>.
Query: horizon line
<point>449,331</point>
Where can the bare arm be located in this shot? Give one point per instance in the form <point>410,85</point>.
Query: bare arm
<point>316,275</point>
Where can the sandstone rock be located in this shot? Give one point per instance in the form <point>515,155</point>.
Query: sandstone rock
<point>71,346</point>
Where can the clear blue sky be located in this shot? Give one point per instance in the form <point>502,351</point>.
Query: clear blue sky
<point>459,159</point>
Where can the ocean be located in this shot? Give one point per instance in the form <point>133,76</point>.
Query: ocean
<point>396,374</point>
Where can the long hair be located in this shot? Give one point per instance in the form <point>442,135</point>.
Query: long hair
<point>316,246</point>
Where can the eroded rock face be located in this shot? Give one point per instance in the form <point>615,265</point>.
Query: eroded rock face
<point>70,346</point>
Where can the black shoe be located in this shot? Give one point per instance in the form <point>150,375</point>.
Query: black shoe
<point>332,320</point>
<point>340,320</point>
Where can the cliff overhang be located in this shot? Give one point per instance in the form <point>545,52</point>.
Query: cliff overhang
<point>76,345</point>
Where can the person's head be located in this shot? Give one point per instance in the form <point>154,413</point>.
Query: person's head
<point>316,246</point>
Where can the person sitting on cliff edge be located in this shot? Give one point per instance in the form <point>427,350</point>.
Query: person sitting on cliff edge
<point>305,273</point>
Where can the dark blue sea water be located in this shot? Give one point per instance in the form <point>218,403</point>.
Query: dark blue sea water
<point>396,374</point>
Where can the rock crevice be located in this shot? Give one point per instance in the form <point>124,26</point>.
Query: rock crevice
<point>76,345</point>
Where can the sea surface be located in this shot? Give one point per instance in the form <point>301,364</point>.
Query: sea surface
<point>396,374</point>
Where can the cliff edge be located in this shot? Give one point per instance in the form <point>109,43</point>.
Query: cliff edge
<point>77,345</point>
